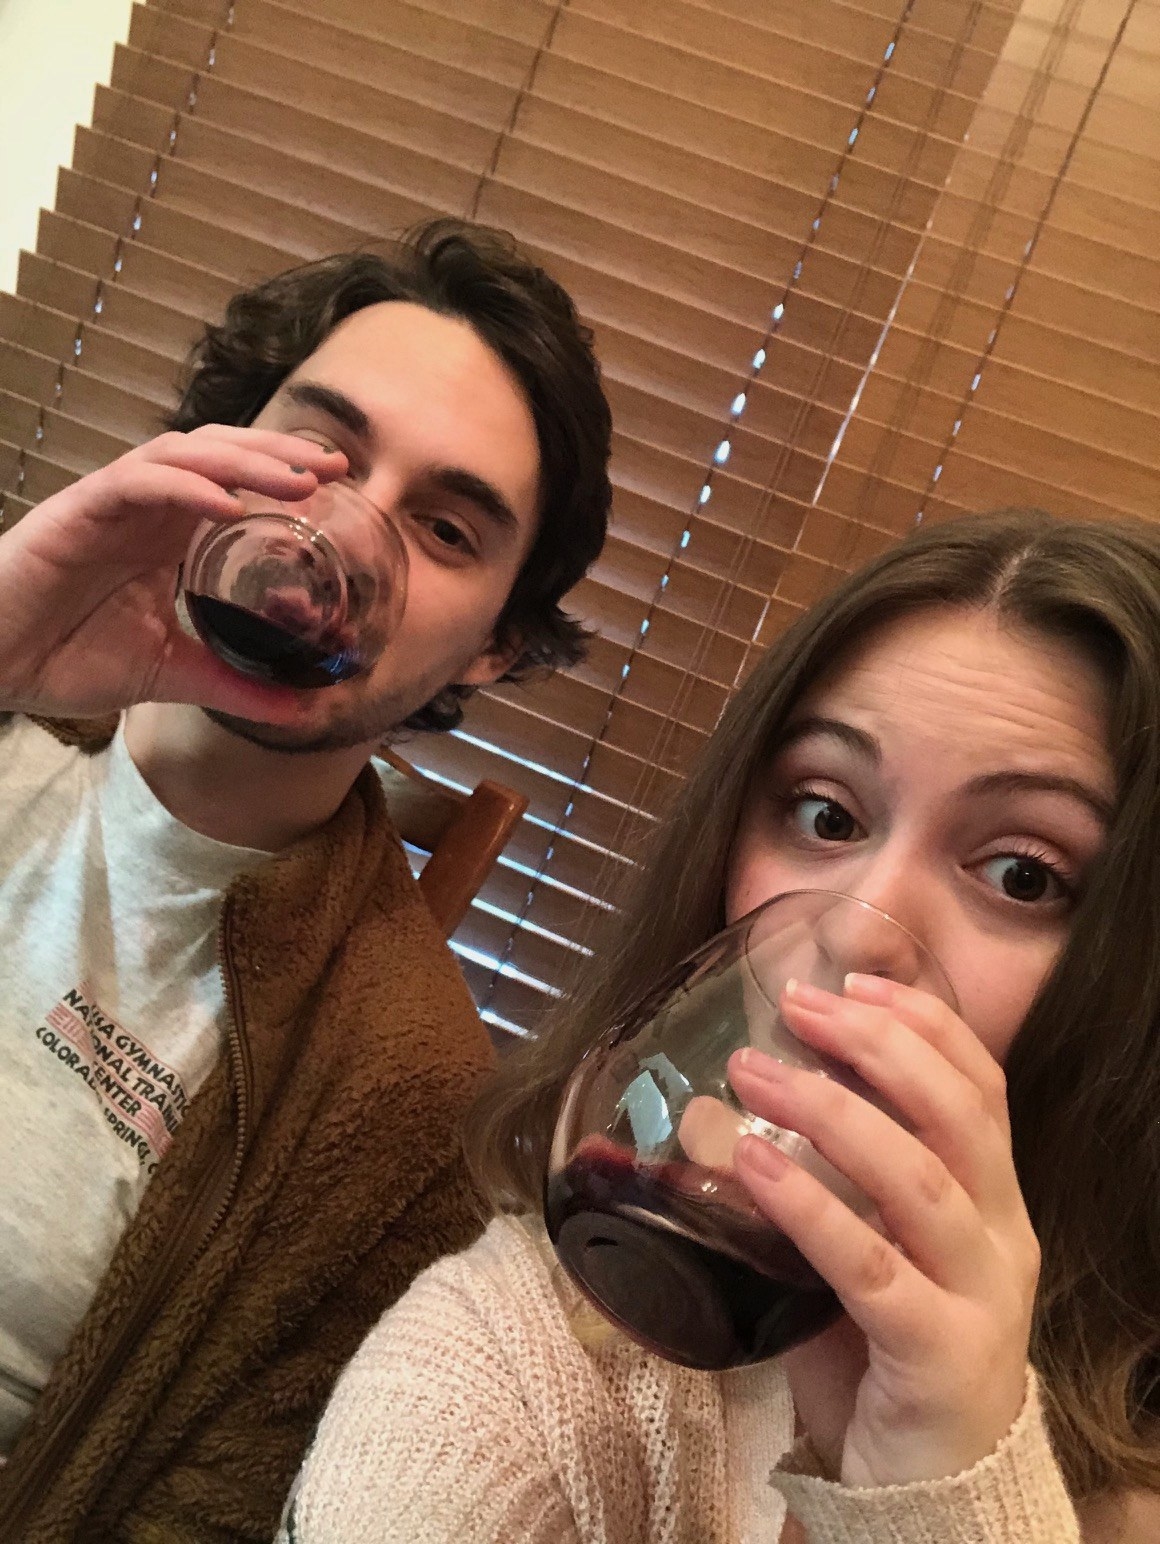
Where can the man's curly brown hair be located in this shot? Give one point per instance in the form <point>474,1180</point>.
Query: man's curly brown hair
<point>477,275</point>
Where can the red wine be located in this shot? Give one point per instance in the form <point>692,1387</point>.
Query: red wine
<point>699,1282</point>
<point>259,647</point>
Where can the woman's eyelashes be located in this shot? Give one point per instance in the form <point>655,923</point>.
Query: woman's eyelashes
<point>1029,877</point>
<point>818,816</point>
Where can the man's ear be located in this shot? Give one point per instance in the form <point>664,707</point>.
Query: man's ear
<point>494,660</point>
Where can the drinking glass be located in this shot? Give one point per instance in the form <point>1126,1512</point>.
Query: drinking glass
<point>641,1201</point>
<point>305,594</point>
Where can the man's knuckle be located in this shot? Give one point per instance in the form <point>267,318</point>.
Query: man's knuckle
<point>126,483</point>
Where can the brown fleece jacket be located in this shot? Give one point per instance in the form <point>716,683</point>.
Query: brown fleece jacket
<point>315,1173</point>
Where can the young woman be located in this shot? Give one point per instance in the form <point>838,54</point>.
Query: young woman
<point>966,734</point>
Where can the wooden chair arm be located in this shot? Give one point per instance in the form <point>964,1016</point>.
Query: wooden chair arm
<point>464,855</point>
<point>464,833</point>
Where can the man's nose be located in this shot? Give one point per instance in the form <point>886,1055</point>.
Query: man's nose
<point>384,489</point>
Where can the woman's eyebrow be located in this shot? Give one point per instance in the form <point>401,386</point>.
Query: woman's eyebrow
<point>1043,782</point>
<point>1005,782</point>
<point>857,740</point>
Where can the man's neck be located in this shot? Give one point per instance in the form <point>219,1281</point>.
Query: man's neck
<point>224,787</point>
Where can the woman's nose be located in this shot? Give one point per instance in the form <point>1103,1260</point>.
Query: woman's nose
<point>870,934</point>
<point>856,936</point>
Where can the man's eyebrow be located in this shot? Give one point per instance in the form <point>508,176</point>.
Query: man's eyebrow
<point>335,404</point>
<point>487,498</point>
<point>455,480</point>
<point>1043,782</point>
<point>857,740</point>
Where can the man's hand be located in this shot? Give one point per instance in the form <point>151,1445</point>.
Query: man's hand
<point>88,578</point>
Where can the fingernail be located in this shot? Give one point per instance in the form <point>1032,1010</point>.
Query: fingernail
<point>870,989</point>
<point>807,995</point>
<point>761,1155</point>
<point>759,1065</point>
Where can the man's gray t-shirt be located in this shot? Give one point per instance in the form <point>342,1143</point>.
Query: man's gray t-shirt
<point>112,1014</point>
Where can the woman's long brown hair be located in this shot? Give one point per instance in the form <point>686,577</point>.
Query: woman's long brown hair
<point>1084,1072</point>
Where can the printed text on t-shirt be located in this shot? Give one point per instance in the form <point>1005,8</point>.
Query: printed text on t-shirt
<point>142,1099</point>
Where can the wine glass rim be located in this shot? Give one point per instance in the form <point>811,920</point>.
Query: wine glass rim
<point>344,490</point>
<point>349,491</point>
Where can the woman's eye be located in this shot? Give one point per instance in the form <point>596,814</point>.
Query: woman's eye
<point>1024,879</point>
<point>825,819</point>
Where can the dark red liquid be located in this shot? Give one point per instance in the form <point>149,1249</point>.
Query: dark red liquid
<point>259,647</point>
<point>694,1280</point>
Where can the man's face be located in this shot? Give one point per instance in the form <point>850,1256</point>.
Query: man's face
<point>438,433</point>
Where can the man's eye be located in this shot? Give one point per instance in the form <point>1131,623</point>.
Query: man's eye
<point>447,533</point>
<point>1024,879</point>
<point>825,819</point>
<point>315,438</point>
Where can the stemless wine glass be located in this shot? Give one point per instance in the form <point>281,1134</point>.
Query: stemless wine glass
<point>641,1201</point>
<point>305,594</point>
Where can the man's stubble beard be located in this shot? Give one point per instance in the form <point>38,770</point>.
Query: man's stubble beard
<point>372,723</point>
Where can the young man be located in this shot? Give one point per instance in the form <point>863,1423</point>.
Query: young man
<point>233,1048</point>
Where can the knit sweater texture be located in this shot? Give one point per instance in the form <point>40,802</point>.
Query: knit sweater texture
<point>476,1413</point>
<point>316,1172</point>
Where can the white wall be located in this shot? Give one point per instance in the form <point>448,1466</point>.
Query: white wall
<point>52,53</point>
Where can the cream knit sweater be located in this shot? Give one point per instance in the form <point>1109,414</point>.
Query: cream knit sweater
<point>474,1415</point>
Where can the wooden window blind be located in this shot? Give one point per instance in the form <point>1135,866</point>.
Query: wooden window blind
<point>849,265</point>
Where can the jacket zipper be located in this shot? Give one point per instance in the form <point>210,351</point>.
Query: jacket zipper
<point>204,1215</point>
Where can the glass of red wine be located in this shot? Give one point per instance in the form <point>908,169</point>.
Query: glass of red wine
<point>304,594</point>
<point>641,1201</point>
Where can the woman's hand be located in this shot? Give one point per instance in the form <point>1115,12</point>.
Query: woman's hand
<point>87,579</point>
<point>927,1373</point>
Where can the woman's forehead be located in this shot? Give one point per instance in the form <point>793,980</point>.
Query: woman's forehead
<point>968,680</point>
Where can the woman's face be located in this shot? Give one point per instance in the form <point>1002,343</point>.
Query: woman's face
<point>956,774</point>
